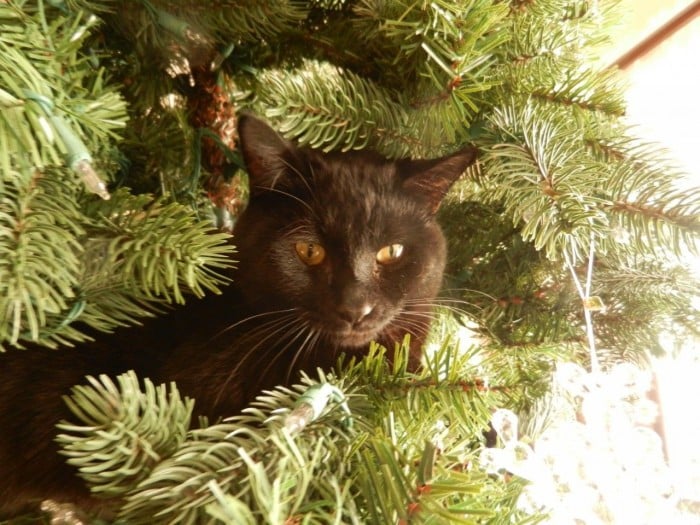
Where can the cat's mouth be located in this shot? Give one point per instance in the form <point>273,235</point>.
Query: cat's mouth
<point>354,338</point>
<point>345,335</point>
<point>357,335</point>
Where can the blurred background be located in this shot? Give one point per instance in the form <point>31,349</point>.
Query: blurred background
<point>658,49</point>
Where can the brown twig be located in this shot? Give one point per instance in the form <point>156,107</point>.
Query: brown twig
<point>659,36</point>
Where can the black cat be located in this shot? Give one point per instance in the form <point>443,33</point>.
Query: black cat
<point>334,251</point>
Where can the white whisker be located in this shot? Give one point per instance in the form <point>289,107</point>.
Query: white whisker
<point>296,171</point>
<point>280,352</point>
<point>272,328</point>
<point>294,197</point>
<point>247,319</point>
<point>469,290</point>
<point>313,334</point>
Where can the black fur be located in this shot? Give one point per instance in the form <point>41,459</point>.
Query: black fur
<point>278,317</point>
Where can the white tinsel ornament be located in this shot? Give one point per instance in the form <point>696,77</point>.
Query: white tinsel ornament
<point>596,464</point>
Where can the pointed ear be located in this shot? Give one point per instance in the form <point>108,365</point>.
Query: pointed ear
<point>267,155</point>
<point>431,179</point>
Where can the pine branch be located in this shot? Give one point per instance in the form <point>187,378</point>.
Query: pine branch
<point>501,283</point>
<point>184,34</point>
<point>556,10</point>
<point>136,255</point>
<point>642,195</point>
<point>581,29</point>
<point>149,145</point>
<point>646,202</point>
<point>100,6</point>
<point>523,370</point>
<point>643,299</point>
<point>334,109</point>
<point>653,277</point>
<point>533,40</point>
<point>39,252</point>
<point>586,90</point>
<point>157,249</point>
<point>441,40</point>
<point>540,173</point>
<point>134,428</point>
<point>243,20</point>
<point>56,108</point>
<point>402,466</point>
<point>557,188</point>
<point>57,78</point>
<point>549,42</point>
<point>330,5</point>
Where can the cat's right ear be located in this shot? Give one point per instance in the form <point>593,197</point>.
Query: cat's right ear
<point>267,156</point>
<point>430,179</point>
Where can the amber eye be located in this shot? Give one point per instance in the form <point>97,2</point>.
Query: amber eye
<point>389,254</point>
<point>310,253</point>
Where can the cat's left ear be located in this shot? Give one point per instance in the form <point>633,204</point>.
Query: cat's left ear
<point>267,155</point>
<point>431,179</point>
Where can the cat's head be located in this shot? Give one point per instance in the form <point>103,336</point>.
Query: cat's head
<point>347,240</point>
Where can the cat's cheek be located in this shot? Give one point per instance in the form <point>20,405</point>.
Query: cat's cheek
<point>405,277</point>
<point>305,287</point>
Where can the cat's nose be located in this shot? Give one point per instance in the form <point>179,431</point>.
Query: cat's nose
<point>354,314</point>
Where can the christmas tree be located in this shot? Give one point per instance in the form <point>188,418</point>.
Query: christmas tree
<point>120,176</point>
